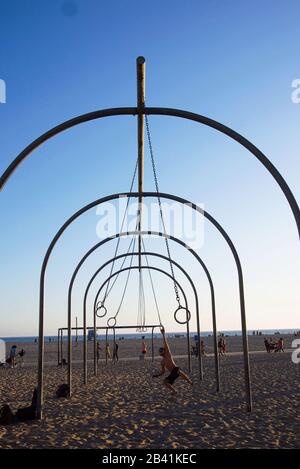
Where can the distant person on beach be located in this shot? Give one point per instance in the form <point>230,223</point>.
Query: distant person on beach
<point>99,349</point>
<point>195,350</point>
<point>272,345</point>
<point>168,363</point>
<point>279,345</point>
<point>271,342</point>
<point>267,345</point>
<point>21,354</point>
<point>144,349</point>
<point>107,351</point>
<point>224,346</point>
<point>116,353</point>
<point>202,348</point>
<point>12,356</point>
<point>220,346</point>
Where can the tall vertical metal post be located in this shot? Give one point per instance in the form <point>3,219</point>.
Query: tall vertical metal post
<point>140,69</point>
<point>188,343</point>
<point>84,346</point>
<point>95,346</point>
<point>61,347</point>
<point>152,345</point>
<point>58,333</point>
<point>106,343</point>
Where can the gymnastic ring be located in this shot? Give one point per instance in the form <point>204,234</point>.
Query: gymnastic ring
<point>188,315</point>
<point>111,325</point>
<point>98,308</point>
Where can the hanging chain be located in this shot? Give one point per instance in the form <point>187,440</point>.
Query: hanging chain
<point>126,283</point>
<point>121,267</point>
<point>160,207</point>
<point>152,285</point>
<point>107,290</point>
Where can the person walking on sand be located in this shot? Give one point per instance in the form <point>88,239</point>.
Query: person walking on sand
<point>168,363</point>
<point>267,345</point>
<point>271,343</point>
<point>116,353</point>
<point>220,346</point>
<point>144,350</point>
<point>12,356</point>
<point>107,351</point>
<point>21,355</point>
<point>99,349</point>
<point>279,345</point>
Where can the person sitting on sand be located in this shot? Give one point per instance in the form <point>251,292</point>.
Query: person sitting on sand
<point>168,363</point>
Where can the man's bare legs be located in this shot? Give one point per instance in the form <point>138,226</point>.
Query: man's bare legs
<point>185,377</point>
<point>169,386</point>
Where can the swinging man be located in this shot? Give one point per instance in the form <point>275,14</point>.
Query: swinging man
<point>168,363</point>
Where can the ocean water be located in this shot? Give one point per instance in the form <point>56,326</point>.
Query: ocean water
<point>139,335</point>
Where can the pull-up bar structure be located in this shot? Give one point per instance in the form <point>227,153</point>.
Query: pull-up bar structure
<point>61,330</point>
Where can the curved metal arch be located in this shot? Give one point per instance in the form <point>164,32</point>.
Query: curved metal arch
<point>137,195</point>
<point>161,256</point>
<point>126,269</point>
<point>154,233</point>
<point>163,112</point>
<point>135,233</point>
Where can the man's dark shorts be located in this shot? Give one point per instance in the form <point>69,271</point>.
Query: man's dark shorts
<point>173,375</point>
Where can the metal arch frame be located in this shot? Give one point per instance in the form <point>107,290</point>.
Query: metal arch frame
<point>162,112</point>
<point>136,233</point>
<point>62,329</point>
<point>161,256</point>
<point>154,233</point>
<point>134,267</point>
<point>136,195</point>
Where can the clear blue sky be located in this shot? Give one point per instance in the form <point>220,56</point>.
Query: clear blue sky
<point>230,60</point>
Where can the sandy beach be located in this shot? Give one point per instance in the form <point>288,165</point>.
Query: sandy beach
<point>124,407</point>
